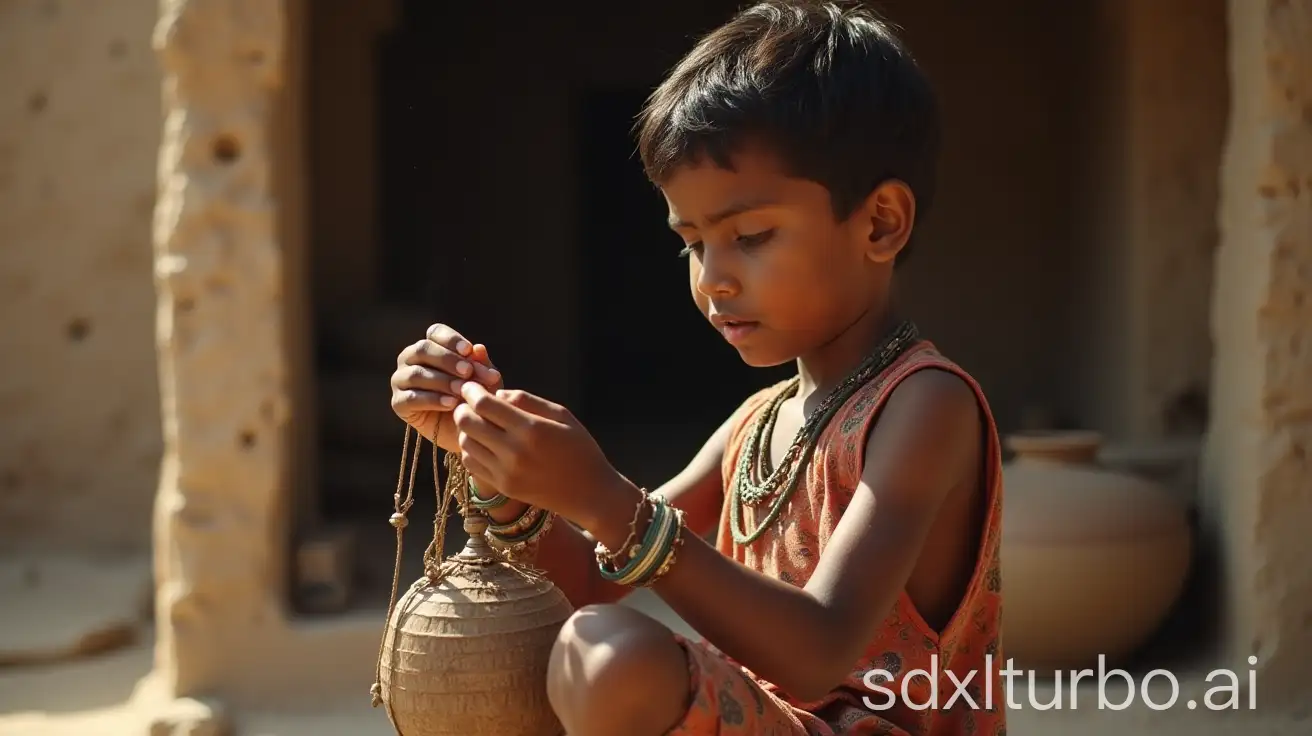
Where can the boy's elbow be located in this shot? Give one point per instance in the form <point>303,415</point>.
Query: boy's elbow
<point>825,657</point>
<point>811,692</point>
<point>814,686</point>
<point>827,672</point>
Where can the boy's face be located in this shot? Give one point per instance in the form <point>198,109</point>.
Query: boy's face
<point>769,265</point>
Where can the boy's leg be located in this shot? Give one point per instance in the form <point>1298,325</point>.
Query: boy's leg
<point>615,670</point>
<point>727,702</point>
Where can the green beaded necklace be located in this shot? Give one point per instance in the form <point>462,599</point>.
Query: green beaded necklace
<point>780,483</point>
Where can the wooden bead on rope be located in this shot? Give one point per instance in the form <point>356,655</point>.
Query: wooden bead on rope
<point>466,648</point>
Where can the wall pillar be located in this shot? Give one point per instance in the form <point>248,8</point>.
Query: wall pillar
<point>221,510</point>
<point>1257,475</point>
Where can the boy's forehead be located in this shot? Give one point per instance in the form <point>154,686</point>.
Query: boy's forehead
<point>703,191</point>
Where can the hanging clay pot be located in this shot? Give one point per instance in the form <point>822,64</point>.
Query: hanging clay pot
<point>1093,559</point>
<point>466,648</point>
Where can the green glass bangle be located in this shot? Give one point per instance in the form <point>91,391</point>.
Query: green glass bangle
<point>656,554</point>
<point>648,536</point>
<point>479,502</point>
<point>666,559</point>
<point>654,537</point>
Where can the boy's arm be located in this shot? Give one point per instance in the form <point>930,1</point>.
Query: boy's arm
<point>805,640</point>
<point>568,555</point>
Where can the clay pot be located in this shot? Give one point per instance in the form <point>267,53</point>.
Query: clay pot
<point>1093,559</point>
<point>466,648</point>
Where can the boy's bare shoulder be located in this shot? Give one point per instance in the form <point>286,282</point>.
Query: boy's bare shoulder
<point>931,420</point>
<point>936,392</point>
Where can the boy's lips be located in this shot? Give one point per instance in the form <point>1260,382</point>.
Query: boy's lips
<point>734,328</point>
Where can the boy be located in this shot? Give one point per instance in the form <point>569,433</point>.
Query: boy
<point>795,147</point>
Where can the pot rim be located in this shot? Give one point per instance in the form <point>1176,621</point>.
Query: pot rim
<point>1066,445</point>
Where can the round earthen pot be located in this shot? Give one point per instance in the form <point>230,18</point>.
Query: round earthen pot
<point>1093,559</point>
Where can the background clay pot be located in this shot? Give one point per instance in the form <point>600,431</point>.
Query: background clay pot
<point>1093,559</point>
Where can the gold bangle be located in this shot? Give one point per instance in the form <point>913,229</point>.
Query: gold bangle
<point>526,519</point>
<point>518,548</point>
<point>613,558</point>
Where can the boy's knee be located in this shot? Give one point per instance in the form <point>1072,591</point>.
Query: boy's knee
<point>611,664</point>
<point>612,644</point>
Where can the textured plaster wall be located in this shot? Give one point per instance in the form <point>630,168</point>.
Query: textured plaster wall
<point>1257,475</point>
<point>79,134</point>
<point>233,315</point>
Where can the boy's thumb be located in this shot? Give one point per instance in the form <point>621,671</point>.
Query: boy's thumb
<point>480,354</point>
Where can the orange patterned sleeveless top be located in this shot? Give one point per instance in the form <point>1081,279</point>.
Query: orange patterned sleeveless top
<point>906,648</point>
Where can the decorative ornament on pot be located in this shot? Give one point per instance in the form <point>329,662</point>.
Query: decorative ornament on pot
<point>1093,559</point>
<point>466,648</point>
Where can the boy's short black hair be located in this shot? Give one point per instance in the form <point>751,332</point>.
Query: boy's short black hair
<point>826,85</point>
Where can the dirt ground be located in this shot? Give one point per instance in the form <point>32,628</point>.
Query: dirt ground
<point>93,697</point>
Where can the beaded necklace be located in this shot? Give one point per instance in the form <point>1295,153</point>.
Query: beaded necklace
<point>780,483</point>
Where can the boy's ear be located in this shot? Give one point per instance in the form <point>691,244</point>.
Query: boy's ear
<point>888,213</point>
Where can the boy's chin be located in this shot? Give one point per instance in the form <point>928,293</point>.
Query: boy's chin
<point>759,358</point>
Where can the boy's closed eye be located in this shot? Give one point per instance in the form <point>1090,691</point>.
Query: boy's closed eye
<point>757,238</point>
<point>746,240</point>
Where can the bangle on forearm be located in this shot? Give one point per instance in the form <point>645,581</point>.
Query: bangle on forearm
<point>617,564</point>
<point>667,561</point>
<point>614,559</point>
<point>516,525</point>
<point>655,547</point>
<point>485,504</point>
<point>653,555</point>
<point>523,531</point>
<point>526,535</point>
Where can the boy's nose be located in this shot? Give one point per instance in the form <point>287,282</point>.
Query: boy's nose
<point>714,279</point>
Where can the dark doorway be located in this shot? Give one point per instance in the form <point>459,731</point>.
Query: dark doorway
<point>656,378</point>
<point>359,436</point>
<point>411,129</point>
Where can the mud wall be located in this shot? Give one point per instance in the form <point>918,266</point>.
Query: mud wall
<point>79,131</point>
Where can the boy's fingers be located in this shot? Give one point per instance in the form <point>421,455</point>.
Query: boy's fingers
<point>430,354</point>
<point>423,378</point>
<point>484,371</point>
<point>535,405</point>
<point>406,401</point>
<point>477,459</point>
<point>433,353</point>
<point>474,449</point>
<point>486,375</point>
<point>492,408</point>
<point>481,429</point>
<point>448,338</point>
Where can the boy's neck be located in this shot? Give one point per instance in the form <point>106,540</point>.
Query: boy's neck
<point>824,368</point>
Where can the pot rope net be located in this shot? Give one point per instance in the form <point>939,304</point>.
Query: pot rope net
<point>466,647</point>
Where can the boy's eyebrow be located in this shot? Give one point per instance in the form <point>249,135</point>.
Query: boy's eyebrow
<point>737,208</point>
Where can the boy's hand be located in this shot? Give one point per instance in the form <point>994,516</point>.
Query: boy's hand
<point>429,375</point>
<point>535,451</point>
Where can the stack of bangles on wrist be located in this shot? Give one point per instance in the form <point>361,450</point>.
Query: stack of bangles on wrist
<point>642,563</point>
<point>518,533</point>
